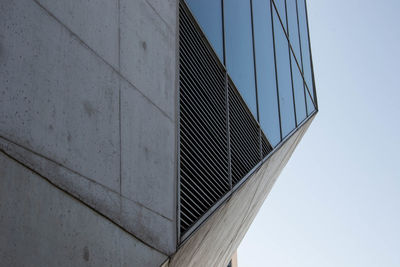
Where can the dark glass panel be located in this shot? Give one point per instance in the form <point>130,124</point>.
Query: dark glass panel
<point>266,81</point>
<point>208,14</point>
<point>239,49</point>
<point>305,49</point>
<point>299,93</point>
<point>284,78</point>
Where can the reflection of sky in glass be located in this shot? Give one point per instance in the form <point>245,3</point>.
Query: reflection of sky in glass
<point>266,83</point>
<point>293,28</point>
<point>280,5</point>
<point>337,201</point>
<point>298,92</point>
<point>310,104</point>
<point>240,63</point>
<point>209,15</point>
<point>305,49</point>
<point>239,49</point>
<point>284,78</point>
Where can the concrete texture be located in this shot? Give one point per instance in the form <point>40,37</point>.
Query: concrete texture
<point>148,53</point>
<point>167,10</point>
<point>43,226</point>
<point>147,225</point>
<point>95,22</point>
<point>57,97</point>
<point>69,113</point>
<point>148,154</point>
<point>214,243</point>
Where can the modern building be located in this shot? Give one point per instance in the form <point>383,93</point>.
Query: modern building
<point>145,132</point>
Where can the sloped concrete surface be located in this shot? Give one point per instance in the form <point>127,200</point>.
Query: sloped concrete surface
<point>43,226</point>
<point>57,97</point>
<point>214,243</point>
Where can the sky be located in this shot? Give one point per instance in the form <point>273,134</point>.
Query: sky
<point>337,202</point>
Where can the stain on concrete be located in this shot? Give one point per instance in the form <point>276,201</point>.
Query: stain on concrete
<point>144,45</point>
<point>89,109</point>
<point>86,255</point>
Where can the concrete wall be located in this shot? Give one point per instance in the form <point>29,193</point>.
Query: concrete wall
<point>44,226</point>
<point>217,239</point>
<point>88,101</point>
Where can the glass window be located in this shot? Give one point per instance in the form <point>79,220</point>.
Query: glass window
<point>208,14</point>
<point>305,50</point>
<point>284,78</point>
<point>265,65</point>
<point>299,93</point>
<point>239,49</point>
<point>310,104</point>
<point>280,6</point>
<point>293,31</point>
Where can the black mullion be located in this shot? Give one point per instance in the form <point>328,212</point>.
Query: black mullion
<point>290,62</point>
<point>254,58</point>
<point>312,65</point>
<point>276,70</point>
<point>290,46</point>
<point>223,32</point>
<point>301,57</point>
<point>228,133</point>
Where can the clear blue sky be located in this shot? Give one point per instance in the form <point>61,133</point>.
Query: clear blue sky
<point>337,202</point>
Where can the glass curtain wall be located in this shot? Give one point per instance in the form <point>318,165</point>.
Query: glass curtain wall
<point>264,45</point>
<point>305,54</point>
<point>239,49</point>
<point>208,14</point>
<point>266,76</point>
<point>298,86</point>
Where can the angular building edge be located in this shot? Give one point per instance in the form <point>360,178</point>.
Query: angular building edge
<point>216,240</point>
<point>73,172</point>
<point>50,226</point>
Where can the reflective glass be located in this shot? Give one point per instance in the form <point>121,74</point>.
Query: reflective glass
<point>208,14</point>
<point>280,6</point>
<point>239,49</point>
<point>305,49</point>
<point>293,31</point>
<point>310,105</point>
<point>299,93</point>
<point>284,78</point>
<point>266,82</point>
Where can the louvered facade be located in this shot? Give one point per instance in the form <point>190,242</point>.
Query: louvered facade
<point>224,133</point>
<point>145,132</point>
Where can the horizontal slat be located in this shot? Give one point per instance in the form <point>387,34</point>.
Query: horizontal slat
<point>244,136</point>
<point>215,126</point>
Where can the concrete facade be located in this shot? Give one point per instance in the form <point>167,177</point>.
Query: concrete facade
<point>43,226</point>
<point>88,101</point>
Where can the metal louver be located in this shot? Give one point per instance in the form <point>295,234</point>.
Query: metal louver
<point>244,136</point>
<point>220,142</point>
